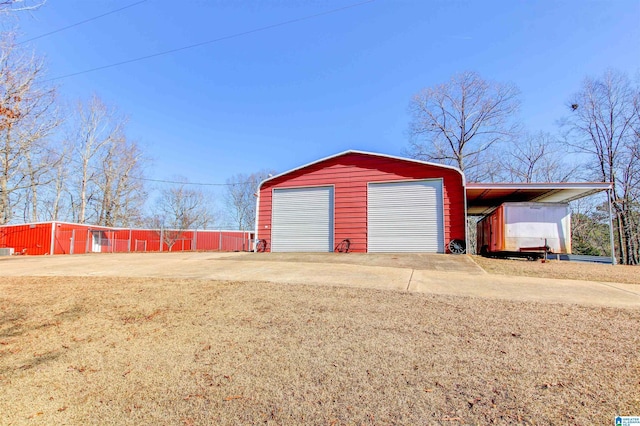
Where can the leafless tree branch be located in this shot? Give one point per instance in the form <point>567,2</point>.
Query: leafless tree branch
<point>457,121</point>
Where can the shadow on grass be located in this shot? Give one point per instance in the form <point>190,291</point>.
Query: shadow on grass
<point>12,322</point>
<point>17,325</point>
<point>39,359</point>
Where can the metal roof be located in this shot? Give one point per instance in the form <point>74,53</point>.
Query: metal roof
<point>372,154</point>
<point>482,198</point>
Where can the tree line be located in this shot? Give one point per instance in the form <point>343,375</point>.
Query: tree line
<point>471,123</point>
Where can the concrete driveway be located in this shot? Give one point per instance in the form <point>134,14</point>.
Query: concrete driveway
<point>435,274</point>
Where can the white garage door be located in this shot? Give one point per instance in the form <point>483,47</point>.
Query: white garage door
<point>405,217</point>
<point>302,220</point>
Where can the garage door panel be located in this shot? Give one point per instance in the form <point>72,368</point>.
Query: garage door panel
<point>302,220</point>
<point>400,232</point>
<point>405,217</point>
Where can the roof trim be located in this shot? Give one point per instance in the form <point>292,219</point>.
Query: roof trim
<point>44,222</point>
<point>61,222</point>
<point>373,154</point>
<point>541,185</point>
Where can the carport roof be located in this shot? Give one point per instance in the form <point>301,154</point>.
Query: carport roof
<point>482,198</point>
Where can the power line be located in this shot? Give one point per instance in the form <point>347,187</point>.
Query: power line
<point>82,22</point>
<point>191,46</point>
<point>190,183</point>
<point>177,182</point>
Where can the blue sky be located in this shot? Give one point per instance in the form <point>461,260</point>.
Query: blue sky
<point>290,95</point>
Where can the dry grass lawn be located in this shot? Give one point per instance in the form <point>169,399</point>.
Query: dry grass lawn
<point>186,352</point>
<point>561,269</point>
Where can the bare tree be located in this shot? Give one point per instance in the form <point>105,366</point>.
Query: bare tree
<point>53,201</point>
<point>94,129</point>
<point>604,124</point>
<point>7,6</point>
<point>240,198</point>
<point>121,185</point>
<point>455,122</point>
<point>180,207</point>
<point>41,166</point>
<point>589,228</point>
<point>107,181</point>
<point>536,158</point>
<point>27,118</point>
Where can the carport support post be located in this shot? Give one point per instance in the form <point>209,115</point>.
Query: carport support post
<point>466,218</point>
<point>161,238</point>
<point>613,249</point>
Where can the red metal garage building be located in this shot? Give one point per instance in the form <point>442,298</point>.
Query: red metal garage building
<point>380,203</point>
<point>74,238</point>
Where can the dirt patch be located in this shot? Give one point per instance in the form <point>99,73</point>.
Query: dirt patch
<point>177,351</point>
<point>561,269</point>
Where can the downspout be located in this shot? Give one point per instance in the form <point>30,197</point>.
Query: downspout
<point>466,218</point>
<point>53,237</point>
<point>613,250</point>
<point>255,236</point>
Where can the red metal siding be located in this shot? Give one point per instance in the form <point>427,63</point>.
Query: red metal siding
<point>224,240</point>
<point>27,239</point>
<point>350,174</point>
<point>206,240</point>
<point>68,235</point>
<point>145,240</point>
<point>75,238</point>
<point>202,240</point>
<point>70,238</point>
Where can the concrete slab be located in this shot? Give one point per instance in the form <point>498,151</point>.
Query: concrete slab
<point>527,289</point>
<point>419,261</point>
<point>313,273</point>
<point>457,279</point>
<point>214,266</point>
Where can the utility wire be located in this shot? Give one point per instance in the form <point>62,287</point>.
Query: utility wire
<point>91,166</point>
<point>190,183</point>
<point>236,35</point>
<point>82,22</point>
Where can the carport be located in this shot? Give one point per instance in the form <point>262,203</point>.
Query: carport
<point>484,198</point>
